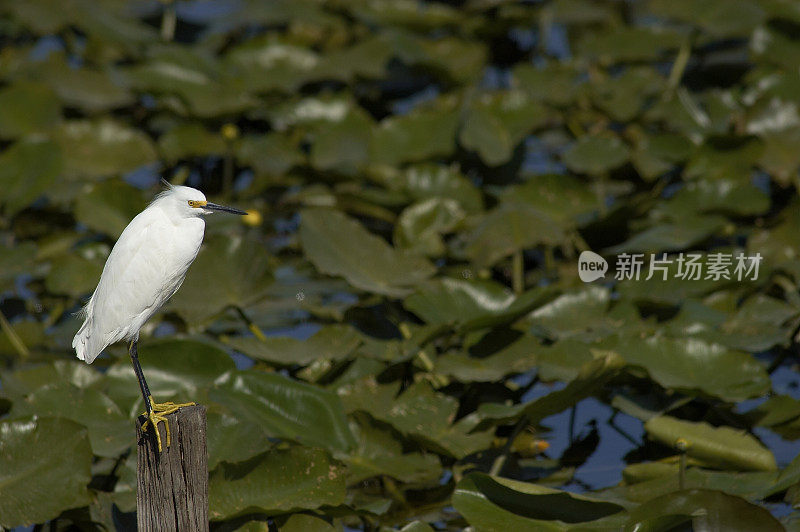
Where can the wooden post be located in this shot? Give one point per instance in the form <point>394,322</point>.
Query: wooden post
<point>172,486</point>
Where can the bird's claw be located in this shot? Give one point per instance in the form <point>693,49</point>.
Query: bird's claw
<point>158,413</point>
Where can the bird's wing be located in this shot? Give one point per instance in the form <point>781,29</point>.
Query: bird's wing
<point>135,277</point>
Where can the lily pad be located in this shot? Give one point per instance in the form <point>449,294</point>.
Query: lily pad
<point>108,207</point>
<point>509,228</point>
<point>723,447</point>
<point>27,171</point>
<point>110,432</point>
<point>280,480</point>
<point>333,342</point>
<point>27,108</point>
<point>45,469</point>
<point>101,148</point>
<point>338,245</point>
<point>284,408</point>
<point>596,155</point>
<point>228,271</point>
<point>495,503</point>
<point>692,364</point>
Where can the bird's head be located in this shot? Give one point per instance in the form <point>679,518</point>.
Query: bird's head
<point>190,202</point>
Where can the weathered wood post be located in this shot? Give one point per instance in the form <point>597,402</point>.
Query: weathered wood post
<point>172,486</point>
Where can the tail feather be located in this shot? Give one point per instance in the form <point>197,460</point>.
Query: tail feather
<point>82,344</point>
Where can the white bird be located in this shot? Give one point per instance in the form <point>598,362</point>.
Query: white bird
<point>145,268</point>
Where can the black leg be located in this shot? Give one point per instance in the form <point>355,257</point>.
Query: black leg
<point>140,376</point>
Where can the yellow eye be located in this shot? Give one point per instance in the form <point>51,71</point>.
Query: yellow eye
<point>191,203</point>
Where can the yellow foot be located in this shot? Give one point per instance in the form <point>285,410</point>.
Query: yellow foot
<point>159,414</point>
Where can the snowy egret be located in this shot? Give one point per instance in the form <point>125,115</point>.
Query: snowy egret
<point>145,268</point>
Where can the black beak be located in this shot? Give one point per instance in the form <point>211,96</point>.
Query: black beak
<point>223,208</point>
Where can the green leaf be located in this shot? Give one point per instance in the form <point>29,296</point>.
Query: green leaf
<point>174,367</point>
<point>92,91</point>
<point>717,195</point>
<point>508,228</point>
<point>694,365</point>
<point>425,181</point>
<point>421,225</point>
<point>233,440</point>
<point>306,523</point>
<point>332,342</point>
<point>592,377</point>
<point>722,447</point>
<point>580,313</point>
<point>272,154</point>
<point>73,275</point>
<point>682,234</point>
<point>416,136</point>
<point>27,108</point>
<point>518,357</point>
<point>110,432</point>
<point>596,154</point>
<point>44,469</point>
<point>470,304</point>
<point>616,45</point>
<point>100,148</point>
<point>495,503</point>
<point>342,145</point>
<point>380,453</point>
<point>428,416</point>
<point>338,245</point>
<point>228,271</point>
<point>108,207</point>
<point>281,480</point>
<point>285,408</point>
<point>484,133</point>
<point>566,199</point>
<point>27,171</point>
<point>190,139</point>
<point>705,509</point>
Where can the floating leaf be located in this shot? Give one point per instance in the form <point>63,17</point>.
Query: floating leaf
<point>278,481</point>
<point>415,136</point>
<point>470,304</point>
<point>110,432</point>
<point>704,510</point>
<point>27,108</point>
<point>564,198</point>
<point>485,134</point>
<point>692,364</point>
<point>338,245</point>
<point>190,140</point>
<point>174,367</point>
<point>285,408</point>
<point>27,171</point>
<point>510,228</point>
<point>420,226</point>
<point>596,155</point>
<point>379,453</point>
<point>592,376</point>
<point>100,148</point>
<point>723,447</point>
<point>228,271</point>
<point>271,154</point>
<point>108,207</point>
<point>73,275</point>
<point>44,469</point>
<point>495,503</point>
<point>333,342</point>
<point>428,417</point>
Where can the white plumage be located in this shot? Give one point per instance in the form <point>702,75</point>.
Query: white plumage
<point>145,268</point>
